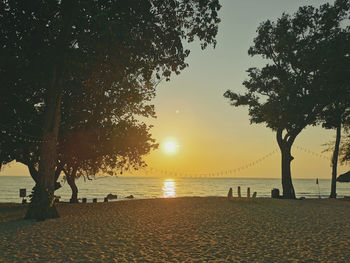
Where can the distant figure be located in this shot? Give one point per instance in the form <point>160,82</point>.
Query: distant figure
<point>130,197</point>
<point>111,196</point>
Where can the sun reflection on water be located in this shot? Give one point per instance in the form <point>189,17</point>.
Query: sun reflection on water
<point>169,188</point>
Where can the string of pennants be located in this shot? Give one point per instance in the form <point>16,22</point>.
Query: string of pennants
<point>17,136</point>
<point>231,172</point>
<point>311,152</point>
<point>224,173</point>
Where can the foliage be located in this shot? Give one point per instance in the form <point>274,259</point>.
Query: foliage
<point>292,90</point>
<point>109,44</point>
<point>53,49</point>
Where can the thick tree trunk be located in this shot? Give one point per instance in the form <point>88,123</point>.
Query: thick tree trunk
<point>285,145</point>
<point>335,163</point>
<point>33,172</point>
<point>287,185</point>
<point>42,205</point>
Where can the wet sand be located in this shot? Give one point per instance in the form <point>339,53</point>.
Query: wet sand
<point>189,229</point>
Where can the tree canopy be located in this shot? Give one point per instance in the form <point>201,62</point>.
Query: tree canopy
<point>290,91</point>
<point>50,48</point>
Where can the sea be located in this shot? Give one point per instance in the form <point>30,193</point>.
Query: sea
<point>148,187</point>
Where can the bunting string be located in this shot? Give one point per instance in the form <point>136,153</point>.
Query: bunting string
<point>23,137</point>
<point>20,136</point>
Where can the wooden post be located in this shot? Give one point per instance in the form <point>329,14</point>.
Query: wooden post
<point>230,194</point>
<point>275,193</point>
<point>248,192</point>
<point>239,191</point>
<point>254,195</point>
<point>105,200</point>
<point>94,200</point>
<point>22,192</point>
<point>84,200</point>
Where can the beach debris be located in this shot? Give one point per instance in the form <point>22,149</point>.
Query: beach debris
<point>94,200</point>
<point>111,196</point>
<point>302,198</point>
<point>254,195</point>
<point>130,197</point>
<point>275,193</point>
<point>239,191</point>
<point>84,200</point>
<point>24,201</point>
<point>230,194</point>
<point>248,192</point>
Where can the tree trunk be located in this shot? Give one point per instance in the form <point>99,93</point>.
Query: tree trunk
<point>73,186</point>
<point>42,201</point>
<point>42,205</point>
<point>287,185</point>
<point>335,163</point>
<point>33,172</point>
<point>285,145</point>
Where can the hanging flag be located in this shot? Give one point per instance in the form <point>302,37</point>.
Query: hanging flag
<point>316,180</point>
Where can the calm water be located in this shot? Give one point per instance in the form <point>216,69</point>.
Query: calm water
<point>161,187</point>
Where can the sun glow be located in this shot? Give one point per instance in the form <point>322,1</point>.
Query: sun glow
<point>170,146</point>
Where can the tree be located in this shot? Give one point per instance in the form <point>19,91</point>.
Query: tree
<point>50,44</point>
<point>345,147</point>
<point>99,131</point>
<point>105,151</point>
<point>336,77</point>
<point>287,94</point>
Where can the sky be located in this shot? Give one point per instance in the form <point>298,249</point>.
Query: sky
<point>211,135</point>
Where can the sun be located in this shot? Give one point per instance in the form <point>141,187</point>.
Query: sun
<point>170,146</point>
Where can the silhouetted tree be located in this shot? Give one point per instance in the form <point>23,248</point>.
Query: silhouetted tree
<point>108,150</point>
<point>336,72</point>
<point>98,132</point>
<point>345,146</point>
<point>48,44</point>
<point>288,93</point>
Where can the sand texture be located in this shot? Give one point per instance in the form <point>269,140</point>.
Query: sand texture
<point>181,230</point>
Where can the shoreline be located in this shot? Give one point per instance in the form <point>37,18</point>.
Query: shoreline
<point>235,198</point>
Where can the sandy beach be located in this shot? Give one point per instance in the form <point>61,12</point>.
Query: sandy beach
<point>189,229</point>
